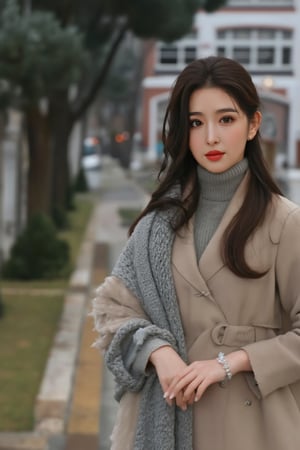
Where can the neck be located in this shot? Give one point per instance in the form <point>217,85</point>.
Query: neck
<point>221,186</point>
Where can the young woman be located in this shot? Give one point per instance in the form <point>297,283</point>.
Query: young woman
<point>200,318</point>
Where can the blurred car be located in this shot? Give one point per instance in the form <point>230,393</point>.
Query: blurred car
<point>91,153</point>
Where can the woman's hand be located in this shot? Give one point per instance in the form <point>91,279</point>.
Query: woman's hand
<point>169,365</point>
<point>195,379</point>
<point>199,375</point>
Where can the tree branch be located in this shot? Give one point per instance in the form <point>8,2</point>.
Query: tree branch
<point>84,99</point>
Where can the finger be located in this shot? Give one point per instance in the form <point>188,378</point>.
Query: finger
<point>200,391</point>
<point>178,386</point>
<point>169,400</point>
<point>179,377</point>
<point>180,401</point>
<point>191,398</point>
<point>192,387</point>
<point>164,386</point>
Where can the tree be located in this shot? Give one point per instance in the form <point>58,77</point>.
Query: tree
<point>39,59</point>
<point>65,47</point>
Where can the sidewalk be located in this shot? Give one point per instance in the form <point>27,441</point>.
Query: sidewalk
<point>75,396</point>
<point>93,408</point>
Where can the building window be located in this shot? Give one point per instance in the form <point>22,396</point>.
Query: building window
<point>189,54</point>
<point>175,56</point>
<point>242,54</point>
<point>242,33</point>
<point>221,51</point>
<point>286,34</point>
<point>266,55</point>
<point>168,55</point>
<point>260,49</point>
<point>286,55</point>
<point>266,34</point>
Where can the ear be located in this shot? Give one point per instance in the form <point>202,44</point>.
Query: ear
<point>254,125</point>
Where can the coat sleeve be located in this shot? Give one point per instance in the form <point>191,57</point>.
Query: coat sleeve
<point>125,334</point>
<point>276,361</point>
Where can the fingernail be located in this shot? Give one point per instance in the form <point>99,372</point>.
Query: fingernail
<point>171,396</point>
<point>196,399</point>
<point>166,394</point>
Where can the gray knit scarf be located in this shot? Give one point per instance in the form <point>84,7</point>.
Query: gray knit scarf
<point>145,268</point>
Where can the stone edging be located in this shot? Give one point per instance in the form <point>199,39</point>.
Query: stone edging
<point>53,400</point>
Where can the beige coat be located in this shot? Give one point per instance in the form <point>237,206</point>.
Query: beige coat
<point>222,312</point>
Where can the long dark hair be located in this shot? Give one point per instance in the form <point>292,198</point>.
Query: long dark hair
<point>179,166</point>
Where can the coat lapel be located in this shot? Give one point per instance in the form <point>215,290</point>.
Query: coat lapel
<point>184,258</point>
<point>184,255</point>
<point>211,260</point>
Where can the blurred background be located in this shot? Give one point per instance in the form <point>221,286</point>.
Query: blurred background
<point>82,79</point>
<point>84,82</point>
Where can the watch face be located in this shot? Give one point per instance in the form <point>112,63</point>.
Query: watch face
<point>268,127</point>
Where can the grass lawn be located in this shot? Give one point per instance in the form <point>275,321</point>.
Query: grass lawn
<point>26,333</point>
<point>128,215</point>
<point>27,330</point>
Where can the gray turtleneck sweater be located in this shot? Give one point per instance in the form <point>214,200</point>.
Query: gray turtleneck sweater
<point>216,191</point>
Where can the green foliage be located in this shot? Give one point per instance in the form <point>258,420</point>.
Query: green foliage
<point>80,184</point>
<point>128,215</point>
<point>1,305</point>
<point>60,218</point>
<point>37,253</point>
<point>166,20</point>
<point>26,335</point>
<point>162,19</point>
<point>37,55</point>
<point>211,6</point>
<point>60,44</point>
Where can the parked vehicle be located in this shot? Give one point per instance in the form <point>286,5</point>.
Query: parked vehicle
<point>91,154</point>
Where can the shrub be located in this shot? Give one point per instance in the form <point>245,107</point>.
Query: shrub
<point>60,218</point>
<point>1,306</point>
<point>80,183</point>
<point>38,253</point>
<point>128,215</point>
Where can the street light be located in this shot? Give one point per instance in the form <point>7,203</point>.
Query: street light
<point>268,82</point>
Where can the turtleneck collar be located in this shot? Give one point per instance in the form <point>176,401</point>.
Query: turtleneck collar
<point>221,186</point>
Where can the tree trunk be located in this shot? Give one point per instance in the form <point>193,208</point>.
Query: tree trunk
<point>40,162</point>
<point>61,124</point>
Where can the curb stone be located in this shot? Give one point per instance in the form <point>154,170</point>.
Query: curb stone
<point>22,441</point>
<point>53,401</point>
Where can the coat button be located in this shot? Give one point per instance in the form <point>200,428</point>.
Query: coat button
<point>247,403</point>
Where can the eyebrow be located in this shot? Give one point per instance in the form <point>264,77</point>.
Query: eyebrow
<point>222,110</point>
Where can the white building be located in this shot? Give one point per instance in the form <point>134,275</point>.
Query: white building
<point>263,35</point>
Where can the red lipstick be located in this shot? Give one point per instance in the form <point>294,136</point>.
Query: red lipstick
<point>214,155</point>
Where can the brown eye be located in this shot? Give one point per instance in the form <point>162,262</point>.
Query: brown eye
<point>195,123</point>
<point>227,119</point>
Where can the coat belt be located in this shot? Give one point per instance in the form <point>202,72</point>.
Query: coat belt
<point>239,335</point>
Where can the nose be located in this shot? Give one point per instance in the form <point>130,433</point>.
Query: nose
<point>212,135</point>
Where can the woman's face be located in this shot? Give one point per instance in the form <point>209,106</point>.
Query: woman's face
<point>219,129</point>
